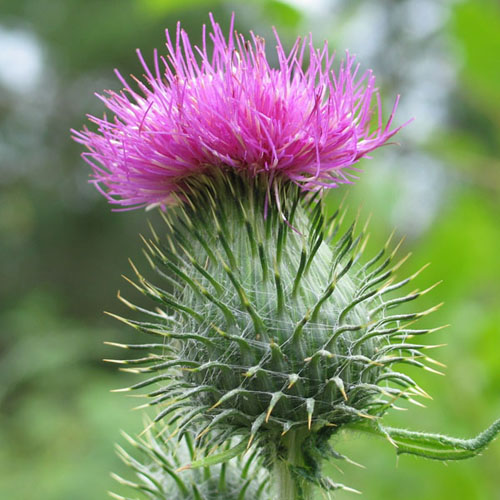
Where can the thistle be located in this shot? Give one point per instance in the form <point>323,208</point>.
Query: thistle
<point>271,330</point>
<point>156,459</point>
<point>230,111</point>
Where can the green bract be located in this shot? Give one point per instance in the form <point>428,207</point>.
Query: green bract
<point>269,325</point>
<point>156,461</point>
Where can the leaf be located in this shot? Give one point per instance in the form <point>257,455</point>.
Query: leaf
<point>432,446</point>
<point>225,456</point>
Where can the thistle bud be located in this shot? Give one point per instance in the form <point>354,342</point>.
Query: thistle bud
<point>160,470</point>
<point>272,325</point>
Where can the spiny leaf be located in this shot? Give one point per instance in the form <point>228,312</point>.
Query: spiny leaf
<point>433,446</point>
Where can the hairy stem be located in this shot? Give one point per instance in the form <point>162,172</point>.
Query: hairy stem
<point>288,482</point>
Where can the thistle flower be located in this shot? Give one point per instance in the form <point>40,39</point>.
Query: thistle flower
<point>225,108</point>
<point>271,330</point>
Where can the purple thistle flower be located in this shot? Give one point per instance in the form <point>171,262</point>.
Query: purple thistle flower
<point>231,111</point>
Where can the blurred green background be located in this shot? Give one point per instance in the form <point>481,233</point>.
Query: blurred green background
<point>62,250</point>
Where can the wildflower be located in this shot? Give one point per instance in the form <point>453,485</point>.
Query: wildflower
<point>225,108</point>
<point>269,335</point>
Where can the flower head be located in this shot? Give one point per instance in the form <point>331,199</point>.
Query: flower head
<point>226,108</point>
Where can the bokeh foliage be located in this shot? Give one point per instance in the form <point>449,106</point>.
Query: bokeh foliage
<point>62,251</point>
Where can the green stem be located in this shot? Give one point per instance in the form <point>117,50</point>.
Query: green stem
<point>433,446</point>
<point>289,485</point>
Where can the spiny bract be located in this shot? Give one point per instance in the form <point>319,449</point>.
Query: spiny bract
<point>271,325</point>
<point>156,462</point>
